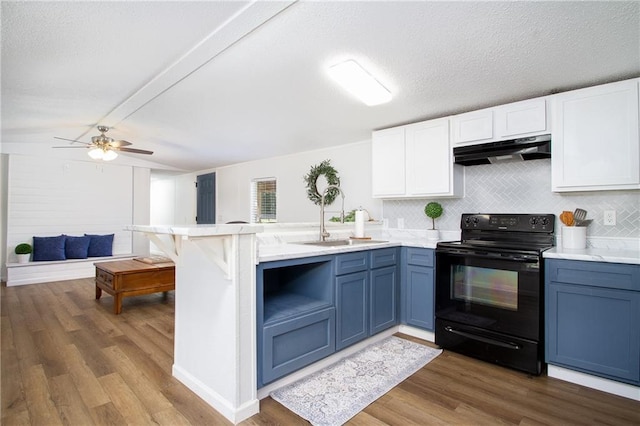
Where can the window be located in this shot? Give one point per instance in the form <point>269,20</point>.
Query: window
<point>263,200</point>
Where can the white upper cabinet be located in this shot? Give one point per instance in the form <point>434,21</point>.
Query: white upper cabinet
<point>430,168</point>
<point>521,118</point>
<point>473,126</point>
<point>388,162</point>
<point>518,119</point>
<point>415,161</point>
<point>595,142</point>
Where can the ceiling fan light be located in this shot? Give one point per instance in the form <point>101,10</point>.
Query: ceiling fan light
<point>96,153</point>
<point>109,155</point>
<point>356,80</point>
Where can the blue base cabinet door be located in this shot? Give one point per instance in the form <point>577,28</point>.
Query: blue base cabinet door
<point>418,288</point>
<point>420,301</point>
<point>383,299</point>
<point>291,345</point>
<point>591,325</point>
<point>366,294</point>
<point>351,314</point>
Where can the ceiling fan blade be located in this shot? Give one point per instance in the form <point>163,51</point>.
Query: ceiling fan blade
<point>71,140</point>
<point>134,150</point>
<point>118,144</point>
<point>70,146</point>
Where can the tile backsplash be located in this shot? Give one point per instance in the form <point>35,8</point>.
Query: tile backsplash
<point>521,187</point>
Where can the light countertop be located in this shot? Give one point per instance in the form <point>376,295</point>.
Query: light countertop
<point>198,230</point>
<point>282,242</point>
<point>612,255</point>
<point>271,249</point>
<point>285,251</point>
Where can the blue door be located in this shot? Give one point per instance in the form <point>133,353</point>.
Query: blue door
<point>206,199</point>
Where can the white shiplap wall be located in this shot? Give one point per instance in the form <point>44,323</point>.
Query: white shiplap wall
<point>48,196</point>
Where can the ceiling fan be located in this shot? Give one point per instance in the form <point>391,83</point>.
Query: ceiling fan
<point>103,147</point>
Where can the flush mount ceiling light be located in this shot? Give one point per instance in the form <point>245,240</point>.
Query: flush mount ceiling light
<point>359,82</point>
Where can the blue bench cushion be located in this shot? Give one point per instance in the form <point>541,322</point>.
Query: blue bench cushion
<point>77,247</point>
<point>100,245</point>
<point>49,248</point>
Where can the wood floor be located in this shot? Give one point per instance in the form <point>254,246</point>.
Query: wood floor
<point>66,359</point>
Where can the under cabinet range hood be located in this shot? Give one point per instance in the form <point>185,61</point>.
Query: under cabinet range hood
<point>531,148</point>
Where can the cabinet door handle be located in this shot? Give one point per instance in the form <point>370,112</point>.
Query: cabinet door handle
<point>508,345</point>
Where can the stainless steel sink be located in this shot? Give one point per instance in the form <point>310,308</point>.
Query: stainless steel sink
<point>337,243</point>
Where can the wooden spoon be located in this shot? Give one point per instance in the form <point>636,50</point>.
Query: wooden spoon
<point>567,218</point>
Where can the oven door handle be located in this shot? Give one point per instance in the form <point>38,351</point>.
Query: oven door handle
<point>508,345</point>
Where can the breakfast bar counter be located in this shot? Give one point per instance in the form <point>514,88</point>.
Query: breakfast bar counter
<point>215,310</point>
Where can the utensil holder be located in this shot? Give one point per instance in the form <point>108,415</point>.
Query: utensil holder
<point>574,237</point>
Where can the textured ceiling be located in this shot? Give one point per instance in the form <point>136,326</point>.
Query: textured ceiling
<point>206,84</point>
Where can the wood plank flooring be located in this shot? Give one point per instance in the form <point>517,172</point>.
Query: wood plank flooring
<point>66,359</point>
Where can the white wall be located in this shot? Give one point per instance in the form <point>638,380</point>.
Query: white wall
<point>163,194</point>
<point>352,161</point>
<point>233,187</point>
<point>173,202</point>
<point>173,198</point>
<point>4,170</point>
<point>50,196</point>
<point>141,208</point>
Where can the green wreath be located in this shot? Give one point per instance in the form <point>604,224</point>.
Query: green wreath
<point>311,179</point>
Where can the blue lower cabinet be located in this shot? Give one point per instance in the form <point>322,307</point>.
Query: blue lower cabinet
<point>593,318</point>
<point>291,345</point>
<point>308,308</point>
<point>418,288</point>
<point>383,299</point>
<point>419,297</point>
<point>352,313</point>
<point>366,301</point>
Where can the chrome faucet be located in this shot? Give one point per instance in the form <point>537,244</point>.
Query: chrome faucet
<point>323,231</point>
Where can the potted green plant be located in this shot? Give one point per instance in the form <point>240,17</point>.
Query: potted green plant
<point>433,210</point>
<point>23,251</point>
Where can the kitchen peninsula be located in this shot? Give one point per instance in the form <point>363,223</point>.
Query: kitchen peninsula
<point>215,310</point>
<point>215,353</point>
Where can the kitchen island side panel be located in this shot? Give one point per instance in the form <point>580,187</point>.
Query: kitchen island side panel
<point>215,353</point>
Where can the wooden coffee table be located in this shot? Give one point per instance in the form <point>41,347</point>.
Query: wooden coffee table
<point>124,278</point>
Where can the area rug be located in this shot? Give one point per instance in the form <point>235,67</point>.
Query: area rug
<point>335,394</point>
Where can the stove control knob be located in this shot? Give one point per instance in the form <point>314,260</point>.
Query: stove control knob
<point>475,220</point>
<point>544,221</point>
<point>533,221</point>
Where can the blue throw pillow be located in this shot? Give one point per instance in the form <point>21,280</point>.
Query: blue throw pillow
<point>77,247</point>
<point>49,248</point>
<point>100,245</point>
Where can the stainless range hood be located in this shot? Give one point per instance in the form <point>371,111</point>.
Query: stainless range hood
<point>531,148</point>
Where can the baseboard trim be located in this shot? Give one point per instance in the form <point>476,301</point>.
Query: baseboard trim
<point>58,270</point>
<point>215,400</point>
<point>605,385</point>
<point>429,336</point>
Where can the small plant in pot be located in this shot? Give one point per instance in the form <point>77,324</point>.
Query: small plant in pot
<point>433,210</point>
<point>23,251</point>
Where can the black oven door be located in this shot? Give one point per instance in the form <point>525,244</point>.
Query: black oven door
<point>499,292</point>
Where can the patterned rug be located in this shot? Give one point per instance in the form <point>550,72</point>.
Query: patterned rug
<point>334,395</point>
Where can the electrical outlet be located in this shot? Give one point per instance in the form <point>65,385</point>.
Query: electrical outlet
<point>400,223</point>
<point>610,217</point>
